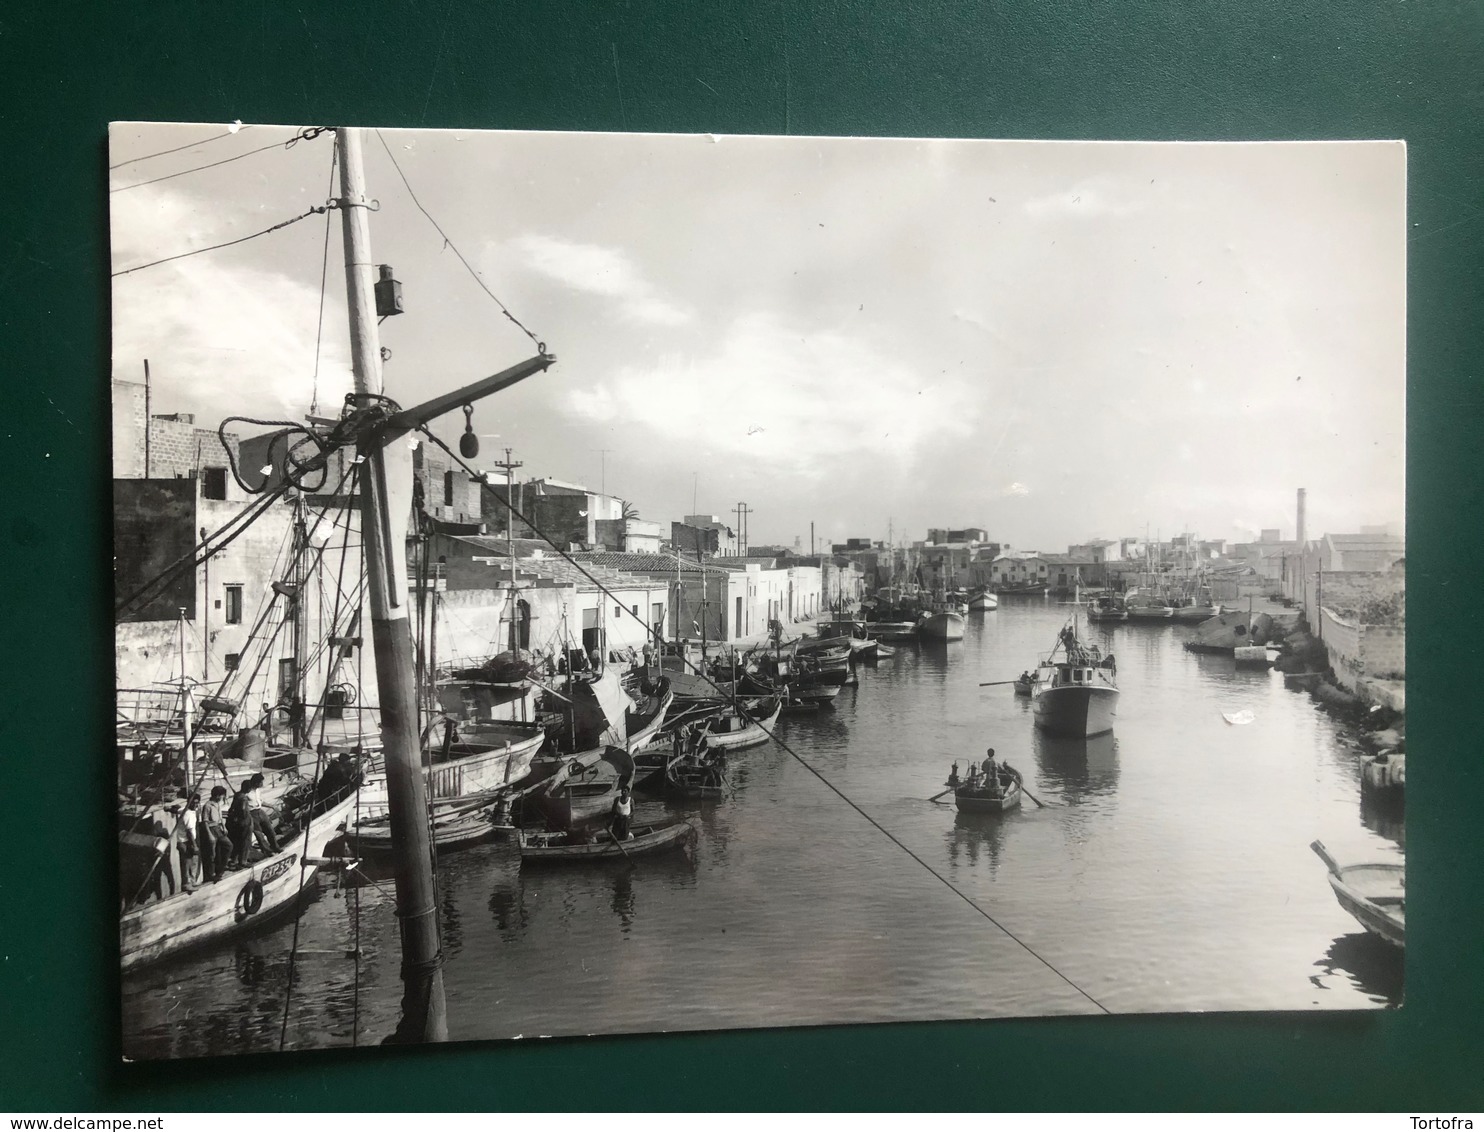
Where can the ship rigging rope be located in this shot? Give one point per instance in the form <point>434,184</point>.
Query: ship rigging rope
<point>306,134</point>
<point>651,631</point>
<point>319,760</point>
<point>448,243</point>
<point>226,679</point>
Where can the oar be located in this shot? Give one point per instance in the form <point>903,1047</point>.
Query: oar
<point>619,843</point>
<point>935,797</point>
<point>997,683</point>
<point>1027,793</point>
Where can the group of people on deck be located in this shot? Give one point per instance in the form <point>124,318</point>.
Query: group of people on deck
<point>207,839</point>
<point>991,775</point>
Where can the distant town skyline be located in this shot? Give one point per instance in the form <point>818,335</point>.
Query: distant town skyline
<point>1053,341</point>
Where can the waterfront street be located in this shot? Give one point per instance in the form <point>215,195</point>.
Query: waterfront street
<point>1170,871</point>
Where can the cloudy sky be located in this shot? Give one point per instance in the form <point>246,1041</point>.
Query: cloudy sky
<point>1054,341</point>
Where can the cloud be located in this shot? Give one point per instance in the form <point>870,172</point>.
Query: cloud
<point>603,271</point>
<point>221,336</point>
<point>773,392</point>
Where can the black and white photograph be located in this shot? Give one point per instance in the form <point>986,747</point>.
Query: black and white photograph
<point>576,584</point>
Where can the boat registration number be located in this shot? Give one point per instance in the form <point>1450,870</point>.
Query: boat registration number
<point>277,869</point>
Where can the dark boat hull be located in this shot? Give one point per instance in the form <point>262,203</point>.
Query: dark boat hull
<point>558,849</point>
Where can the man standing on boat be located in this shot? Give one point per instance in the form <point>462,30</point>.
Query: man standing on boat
<point>623,807</point>
<point>216,846</point>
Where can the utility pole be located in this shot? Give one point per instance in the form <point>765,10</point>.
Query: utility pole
<point>386,501</point>
<point>146,418</point>
<point>510,465</point>
<point>603,471</point>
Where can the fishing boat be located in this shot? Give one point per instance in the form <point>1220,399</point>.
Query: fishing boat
<point>749,726</point>
<point>1020,589</point>
<point>1146,608</point>
<point>983,601</point>
<point>700,773</point>
<point>1105,609</point>
<point>471,758</point>
<point>472,823</point>
<point>1374,893</point>
<point>941,625</point>
<point>1003,795</point>
<point>239,903</point>
<point>1076,690</point>
<point>537,847</point>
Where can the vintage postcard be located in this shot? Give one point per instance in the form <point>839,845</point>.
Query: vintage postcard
<point>578,584</point>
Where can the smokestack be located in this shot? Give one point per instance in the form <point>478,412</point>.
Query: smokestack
<point>1300,533</point>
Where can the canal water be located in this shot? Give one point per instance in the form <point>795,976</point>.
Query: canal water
<point>1169,871</point>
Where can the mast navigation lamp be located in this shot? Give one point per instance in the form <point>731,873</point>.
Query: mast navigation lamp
<point>388,293</point>
<point>469,443</point>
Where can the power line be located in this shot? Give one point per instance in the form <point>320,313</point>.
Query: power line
<point>541,346</point>
<point>228,244</point>
<point>624,611</point>
<point>198,168</point>
<point>177,149</point>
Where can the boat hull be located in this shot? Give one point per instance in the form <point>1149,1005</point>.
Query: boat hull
<point>983,802</point>
<point>983,603</point>
<point>542,849</point>
<point>942,627</point>
<point>1356,888</point>
<point>457,777</point>
<point>1076,711</point>
<point>214,912</point>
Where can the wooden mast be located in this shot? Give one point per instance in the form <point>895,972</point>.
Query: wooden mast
<point>386,501</point>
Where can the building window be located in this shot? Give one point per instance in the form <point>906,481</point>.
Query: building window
<point>617,612</point>
<point>213,483</point>
<point>234,605</point>
<point>232,661</point>
<point>448,489</point>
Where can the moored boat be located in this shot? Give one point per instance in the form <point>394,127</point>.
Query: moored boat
<point>941,625</point>
<point>1374,893</point>
<point>568,848</point>
<point>1076,690</point>
<point>1105,609</point>
<point>983,601</point>
<point>237,904</point>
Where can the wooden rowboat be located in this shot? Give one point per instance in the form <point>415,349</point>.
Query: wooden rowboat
<point>1374,893</point>
<point>567,848</point>
<point>990,801</point>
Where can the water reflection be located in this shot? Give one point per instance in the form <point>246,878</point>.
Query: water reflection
<point>1385,816</point>
<point>623,899</point>
<point>1369,964</point>
<point>1077,768</point>
<point>977,836</point>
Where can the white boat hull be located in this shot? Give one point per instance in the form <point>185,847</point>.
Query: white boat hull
<point>217,911</point>
<point>983,603</point>
<point>942,627</point>
<point>471,774</point>
<point>1076,711</point>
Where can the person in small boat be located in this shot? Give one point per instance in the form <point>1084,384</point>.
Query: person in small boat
<point>991,771</point>
<point>216,846</point>
<point>623,808</point>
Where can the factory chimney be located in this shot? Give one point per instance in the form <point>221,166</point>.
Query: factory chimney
<point>1300,532</point>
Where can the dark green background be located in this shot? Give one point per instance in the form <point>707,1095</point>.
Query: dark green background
<point>1157,69</point>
